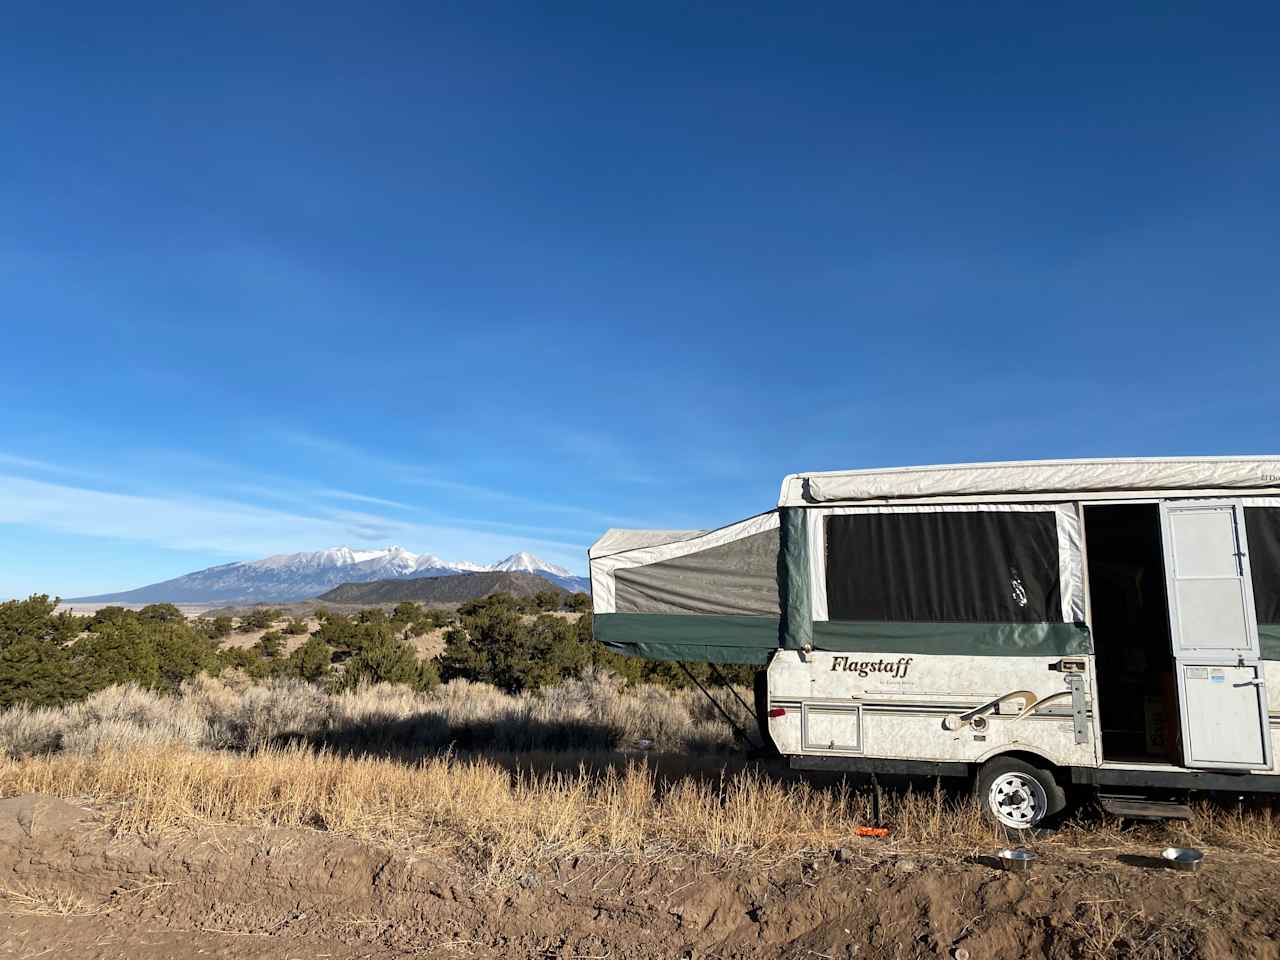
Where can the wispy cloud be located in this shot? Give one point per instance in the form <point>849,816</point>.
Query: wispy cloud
<point>361,498</point>
<point>418,475</point>
<point>43,466</point>
<point>604,453</point>
<point>241,530</point>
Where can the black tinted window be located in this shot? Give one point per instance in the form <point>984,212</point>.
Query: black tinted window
<point>1262,527</point>
<point>980,567</point>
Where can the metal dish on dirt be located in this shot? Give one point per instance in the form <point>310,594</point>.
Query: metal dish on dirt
<point>1182,858</point>
<point>1016,860</point>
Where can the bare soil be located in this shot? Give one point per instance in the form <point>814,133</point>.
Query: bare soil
<point>427,645</point>
<point>69,887</point>
<point>189,610</point>
<point>291,641</point>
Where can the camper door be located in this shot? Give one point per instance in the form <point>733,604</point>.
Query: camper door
<point>1222,692</point>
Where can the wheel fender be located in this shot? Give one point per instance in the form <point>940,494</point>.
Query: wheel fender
<point>1016,747</point>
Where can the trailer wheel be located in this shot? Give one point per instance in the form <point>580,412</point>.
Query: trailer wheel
<point>1017,795</point>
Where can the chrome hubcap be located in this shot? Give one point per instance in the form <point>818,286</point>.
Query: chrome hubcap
<point>1017,800</point>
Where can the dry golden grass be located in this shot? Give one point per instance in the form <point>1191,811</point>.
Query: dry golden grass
<point>41,901</point>
<point>478,806</point>
<point>1114,929</point>
<point>507,819</point>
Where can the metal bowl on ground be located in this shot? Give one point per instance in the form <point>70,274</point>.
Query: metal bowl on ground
<point>1182,858</point>
<point>1016,860</point>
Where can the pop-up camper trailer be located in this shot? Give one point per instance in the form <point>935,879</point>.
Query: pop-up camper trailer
<point>1111,623</point>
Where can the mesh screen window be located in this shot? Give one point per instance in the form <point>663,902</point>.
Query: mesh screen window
<point>973,566</point>
<point>1262,528</point>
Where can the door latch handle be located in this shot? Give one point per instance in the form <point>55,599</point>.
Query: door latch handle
<point>1069,665</point>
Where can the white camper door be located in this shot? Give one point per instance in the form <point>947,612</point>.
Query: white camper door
<point>1221,691</point>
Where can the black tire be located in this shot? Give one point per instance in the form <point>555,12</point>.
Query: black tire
<point>1018,795</point>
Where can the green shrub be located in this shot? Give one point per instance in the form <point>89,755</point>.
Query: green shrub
<point>183,653</point>
<point>259,618</point>
<point>494,645</point>
<point>155,654</point>
<point>417,619</point>
<point>162,613</point>
<point>382,657</point>
<point>247,659</point>
<point>547,600</point>
<point>119,652</point>
<point>48,658</point>
<point>217,628</point>
<point>37,663</point>
<point>339,632</point>
<point>110,615</point>
<point>407,612</point>
<point>34,619</point>
<point>474,649</point>
<point>428,675</point>
<point>270,644</point>
<point>494,602</point>
<point>311,661</point>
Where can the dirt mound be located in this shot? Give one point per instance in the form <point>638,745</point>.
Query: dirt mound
<point>70,888</point>
<point>34,815</point>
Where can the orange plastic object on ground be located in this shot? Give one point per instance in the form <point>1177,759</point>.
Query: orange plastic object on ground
<point>871,831</point>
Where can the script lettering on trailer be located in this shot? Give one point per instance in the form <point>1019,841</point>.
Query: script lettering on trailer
<point>897,669</point>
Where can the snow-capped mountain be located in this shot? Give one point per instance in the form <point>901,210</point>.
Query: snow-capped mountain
<point>528,563</point>
<point>299,576</point>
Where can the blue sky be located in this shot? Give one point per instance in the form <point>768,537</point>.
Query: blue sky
<point>475,278</point>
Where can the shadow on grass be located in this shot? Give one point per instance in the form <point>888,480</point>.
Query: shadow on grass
<point>522,745</point>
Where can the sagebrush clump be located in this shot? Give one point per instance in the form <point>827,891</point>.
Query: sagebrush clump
<point>597,712</point>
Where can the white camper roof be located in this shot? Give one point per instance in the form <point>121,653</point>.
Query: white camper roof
<point>1036,479</point>
<point>616,540</point>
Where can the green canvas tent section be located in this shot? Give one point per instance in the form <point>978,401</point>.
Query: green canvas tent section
<point>704,595</point>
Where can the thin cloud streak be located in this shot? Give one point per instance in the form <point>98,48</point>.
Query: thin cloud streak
<point>362,498</point>
<point>237,529</point>
<point>304,500</point>
<point>421,476</point>
<point>307,502</point>
<point>43,466</point>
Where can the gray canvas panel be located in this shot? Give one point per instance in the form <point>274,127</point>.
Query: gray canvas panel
<point>734,579</point>
<point>796,625</point>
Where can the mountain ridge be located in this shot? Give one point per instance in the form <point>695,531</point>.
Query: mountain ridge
<point>453,589</point>
<point>287,577</point>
